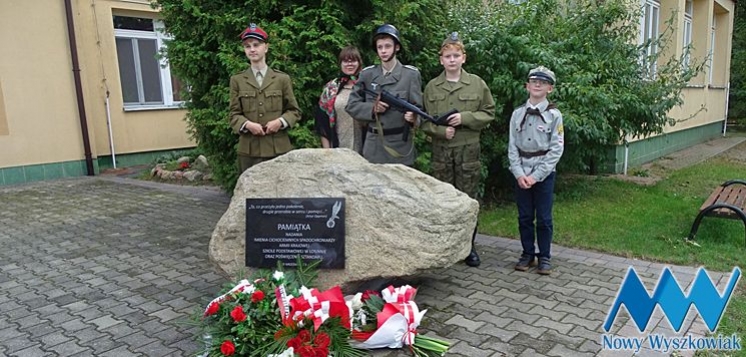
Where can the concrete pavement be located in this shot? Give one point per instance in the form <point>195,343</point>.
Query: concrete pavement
<point>115,267</point>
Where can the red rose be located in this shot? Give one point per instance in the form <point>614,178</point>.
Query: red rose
<point>212,309</point>
<point>184,165</point>
<point>321,352</point>
<point>237,314</point>
<point>322,340</point>
<point>295,343</point>
<point>367,294</point>
<point>257,296</point>
<point>304,336</point>
<point>306,351</point>
<point>228,348</point>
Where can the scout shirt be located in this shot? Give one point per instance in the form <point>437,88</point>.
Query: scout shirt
<point>262,104</point>
<point>470,96</point>
<point>533,135</point>
<point>403,82</point>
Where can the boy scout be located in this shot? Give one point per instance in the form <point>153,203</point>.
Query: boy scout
<point>389,138</point>
<point>262,104</point>
<point>456,148</point>
<point>535,146</point>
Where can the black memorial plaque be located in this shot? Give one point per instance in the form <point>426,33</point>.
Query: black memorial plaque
<point>281,229</point>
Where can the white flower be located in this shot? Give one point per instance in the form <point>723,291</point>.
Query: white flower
<point>249,289</point>
<point>355,302</point>
<point>278,275</point>
<point>287,353</point>
<point>362,317</point>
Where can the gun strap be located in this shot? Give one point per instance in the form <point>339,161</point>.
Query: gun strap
<point>379,127</point>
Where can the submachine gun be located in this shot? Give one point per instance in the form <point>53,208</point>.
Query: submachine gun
<point>403,106</point>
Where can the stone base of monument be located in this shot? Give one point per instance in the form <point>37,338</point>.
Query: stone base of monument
<point>399,222</point>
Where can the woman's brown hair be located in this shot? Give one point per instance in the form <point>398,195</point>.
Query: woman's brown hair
<point>351,53</point>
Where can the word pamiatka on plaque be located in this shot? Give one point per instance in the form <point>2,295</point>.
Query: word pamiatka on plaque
<point>281,229</point>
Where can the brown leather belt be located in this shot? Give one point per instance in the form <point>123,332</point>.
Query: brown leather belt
<point>527,155</point>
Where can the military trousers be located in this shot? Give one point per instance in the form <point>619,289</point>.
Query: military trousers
<point>245,162</point>
<point>459,166</point>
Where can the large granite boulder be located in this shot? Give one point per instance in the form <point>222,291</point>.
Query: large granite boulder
<point>398,221</point>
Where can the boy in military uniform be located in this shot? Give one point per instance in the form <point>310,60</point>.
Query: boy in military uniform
<point>456,150</point>
<point>262,104</point>
<point>389,139</point>
<point>535,146</point>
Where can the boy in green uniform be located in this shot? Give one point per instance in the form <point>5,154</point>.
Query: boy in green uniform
<point>535,146</point>
<point>262,104</point>
<point>456,150</point>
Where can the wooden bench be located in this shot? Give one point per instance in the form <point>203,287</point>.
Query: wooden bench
<point>726,201</point>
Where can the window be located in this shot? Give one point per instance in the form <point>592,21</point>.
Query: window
<point>688,9</point>
<point>649,34</point>
<point>711,53</point>
<point>146,79</point>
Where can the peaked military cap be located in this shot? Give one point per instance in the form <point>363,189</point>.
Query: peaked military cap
<point>542,73</point>
<point>254,31</point>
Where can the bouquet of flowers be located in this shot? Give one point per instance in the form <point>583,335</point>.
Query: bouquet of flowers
<point>390,320</point>
<point>276,315</point>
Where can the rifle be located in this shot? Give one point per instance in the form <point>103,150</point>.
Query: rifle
<point>402,105</point>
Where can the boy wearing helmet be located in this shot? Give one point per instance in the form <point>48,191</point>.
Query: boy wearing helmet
<point>389,139</point>
<point>456,147</point>
<point>262,104</point>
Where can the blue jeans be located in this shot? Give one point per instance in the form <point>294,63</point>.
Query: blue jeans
<point>536,204</point>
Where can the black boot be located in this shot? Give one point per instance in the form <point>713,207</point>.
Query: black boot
<point>473,259</point>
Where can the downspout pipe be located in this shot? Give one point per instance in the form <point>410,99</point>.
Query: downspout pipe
<point>727,99</point>
<point>79,88</point>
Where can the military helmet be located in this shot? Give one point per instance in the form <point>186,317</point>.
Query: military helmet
<point>388,30</point>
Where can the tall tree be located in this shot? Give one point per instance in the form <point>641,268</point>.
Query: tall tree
<point>737,95</point>
<point>304,37</point>
<point>605,90</point>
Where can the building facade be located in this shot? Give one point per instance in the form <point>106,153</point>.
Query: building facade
<point>706,28</point>
<point>67,105</point>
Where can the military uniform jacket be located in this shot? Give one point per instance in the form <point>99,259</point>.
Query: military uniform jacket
<point>534,134</point>
<point>250,102</point>
<point>470,96</point>
<point>404,82</point>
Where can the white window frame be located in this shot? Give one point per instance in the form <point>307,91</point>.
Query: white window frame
<point>688,11</point>
<point>649,23</point>
<point>167,95</point>
<point>712,50</point>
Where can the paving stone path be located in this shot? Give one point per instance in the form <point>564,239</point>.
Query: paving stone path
<point>115,267</point>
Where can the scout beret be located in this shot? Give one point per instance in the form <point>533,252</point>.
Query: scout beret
<point>254,31</point>
<point>542,73</point>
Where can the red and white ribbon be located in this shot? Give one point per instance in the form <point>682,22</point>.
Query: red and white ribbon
<point>243,286</point>
<point>401,294</point>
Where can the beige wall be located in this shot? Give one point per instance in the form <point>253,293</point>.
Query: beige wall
<point>704,101</point>
<point>37,81</point>
<point>38,109</point>
<point>132,131</point>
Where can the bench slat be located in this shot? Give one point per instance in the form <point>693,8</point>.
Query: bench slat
<point>712,199</point>
<point>734,195</point>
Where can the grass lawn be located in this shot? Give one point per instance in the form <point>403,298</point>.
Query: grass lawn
<point>647,222</point>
